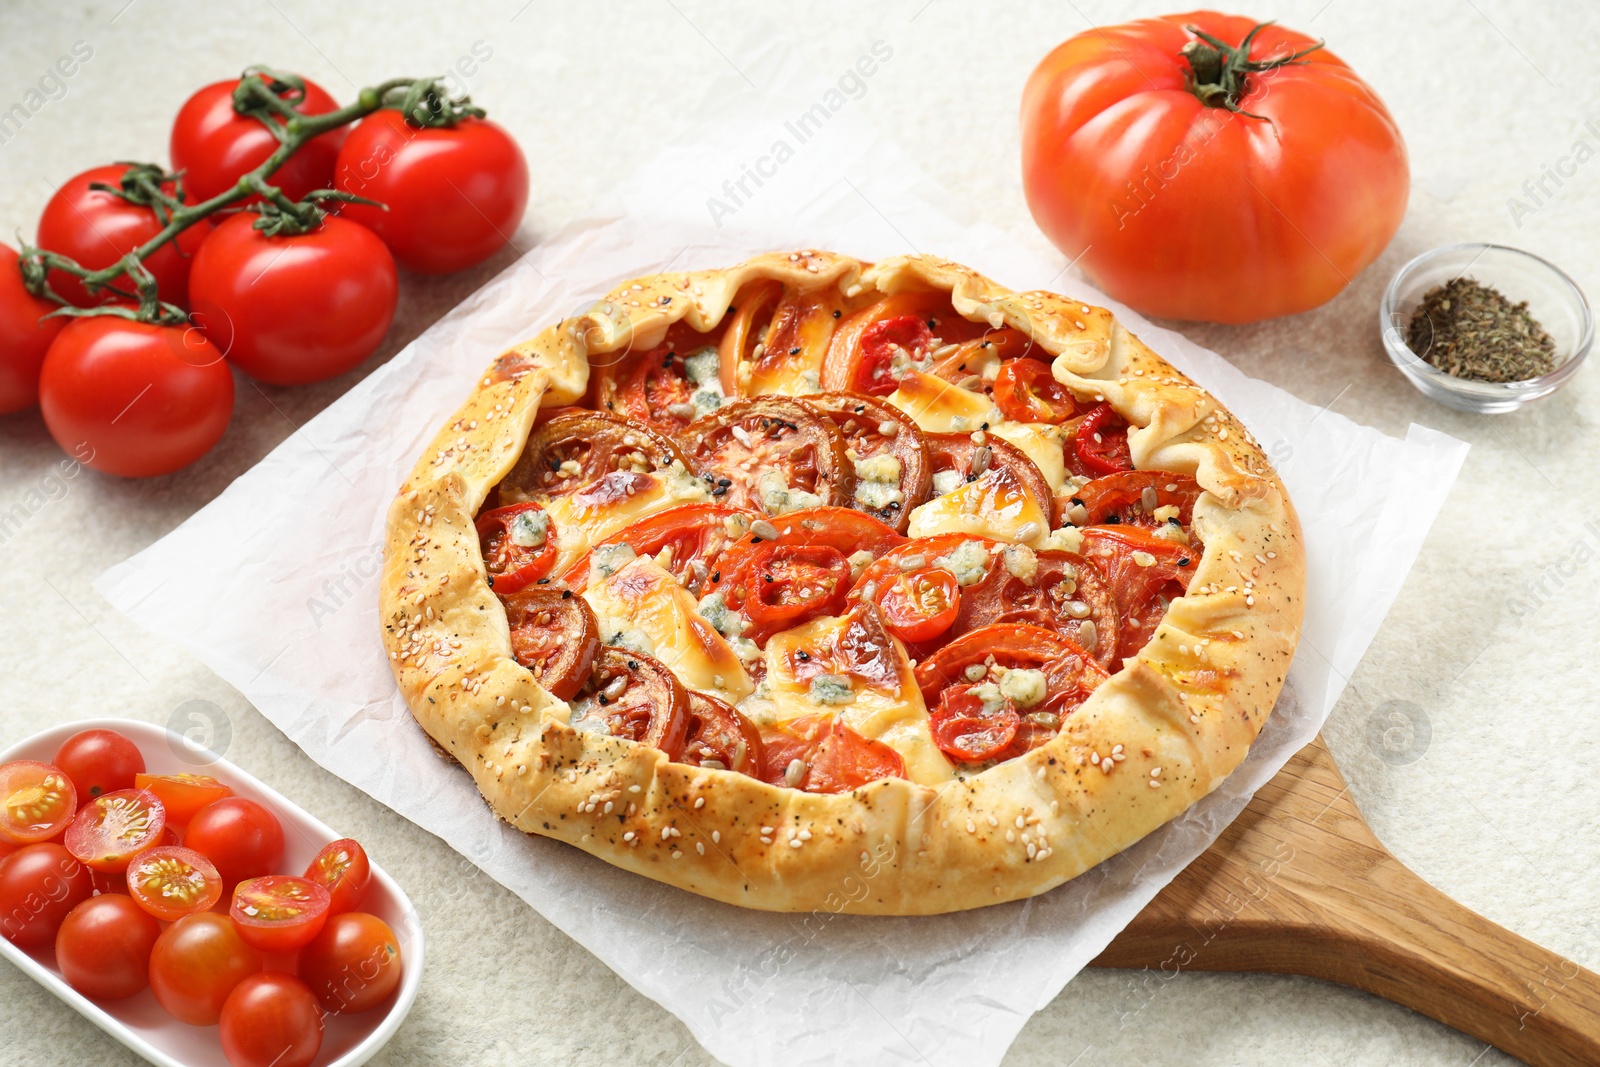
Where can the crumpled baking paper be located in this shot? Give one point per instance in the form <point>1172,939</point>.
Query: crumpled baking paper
<point>274,586</point>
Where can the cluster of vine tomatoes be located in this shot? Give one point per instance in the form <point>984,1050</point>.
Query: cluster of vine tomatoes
<point>139,399</point>
<point>166,882</point>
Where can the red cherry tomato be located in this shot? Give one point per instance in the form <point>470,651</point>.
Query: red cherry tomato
<point>98,228</point>
<point>343,870</point>
<point>39,885</point>
<point>241,837</point>
<point>100,762</point>
<point>25,336</point>
<point>1025,391</point>
<point>196,963</point>
<point>170,882</point>
<point>182,794</point>
<point>519,546</point>
<point>966,728</point>
<point>455,196</point>
<point>353,964</point>
<point>786,583</point>
<point>279,913</point>
<point>103,947</point>
<point>214,145</point>
<point>37,802</point>
<point>110,830</point>
<point>271,1020</point>
<point>294,310</point>
<point>133,399</point>
<point>1101,444</point>
<point>920,605</point>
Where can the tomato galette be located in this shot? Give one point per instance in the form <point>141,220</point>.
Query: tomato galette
<point>812,583</point>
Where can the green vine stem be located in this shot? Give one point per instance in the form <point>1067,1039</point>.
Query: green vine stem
<point>1218,70</point>
<point>423,101</point>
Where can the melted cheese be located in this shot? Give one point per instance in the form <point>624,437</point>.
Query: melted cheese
<point>937,406</point>
<point>617,501</point>
<point>890,711</point>
<point>994,506</point>
<point>641,606</point>
<point>1040,442</point>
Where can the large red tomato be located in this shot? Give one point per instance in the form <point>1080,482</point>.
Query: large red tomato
<point>214,145</point>
<point>293,310</point>
<point>97,228</point>
<point>455,196</point>
<point>1205,182</point>
<point>135,399</point>
<point>25,336</point>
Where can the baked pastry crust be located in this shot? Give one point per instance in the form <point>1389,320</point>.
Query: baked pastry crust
<point>1161,733</point>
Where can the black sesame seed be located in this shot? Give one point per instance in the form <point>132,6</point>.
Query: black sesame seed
<point>1113,520</point>
<point>1183,562</point>
<point>755,540</point>
<point>566,594</point>
<point>794,351</point>
<point>933,324</point>
<point>803,656</point>
<point>837,313</point>
<point>542,581</point>
<point>716,576</point>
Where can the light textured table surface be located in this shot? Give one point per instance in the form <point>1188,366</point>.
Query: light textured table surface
<point>1489,645</point>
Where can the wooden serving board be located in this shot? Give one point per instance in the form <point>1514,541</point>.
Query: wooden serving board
<point>1298,884</point>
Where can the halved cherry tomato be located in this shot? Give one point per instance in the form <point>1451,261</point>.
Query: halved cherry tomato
<point>103,947</point>
<point>640,385</point>
<point>279,913</point>
<point>182,794</point>
<point>719,736</point>
<point>636,697</point>
<point>342,868</point>
<point>880,342</point>
<point>1131,498</point>
<point>39,885</point>
<point>922,604</point>
<point>196,963</point>
<point>788,582</point>
<point>1026,392</point>
<point>555,635</point>
<point>1146,573</point>
<point>862,351</point>
<point>241,837</point>
<point>914,555</point>
<point>271,1020</point>
<point>844,530</point>
<point>110,830</point>
<point>695,535</point>
<point>37,802</point>
<point>758,453</point>
<point>171,881</point>
<point>519,546</point>
<point>832,757</point>
<point>354,964</point>
<point>99,762</point>
<point>967,728</point>
<point>1101,444</point>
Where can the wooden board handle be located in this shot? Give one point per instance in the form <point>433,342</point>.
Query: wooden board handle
<point>1299,885</point>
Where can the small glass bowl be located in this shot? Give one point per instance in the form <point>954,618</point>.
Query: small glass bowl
<point>1553,299</point>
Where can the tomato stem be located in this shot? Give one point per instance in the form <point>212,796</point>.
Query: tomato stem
<point>424,102</point>
<point>1219,72</point>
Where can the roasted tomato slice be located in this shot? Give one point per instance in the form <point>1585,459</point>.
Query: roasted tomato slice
<point>1100,445</point>
<point>819,754</point>
<point>693,536</point>
<point>280,912</point>
<point>519,546</point>
<point>771,454</point>
<point>555,635</point>
<point>796,340</point>
<point>1132,498</point>
<point>111,829</point>
<point>1146,573</point>
<point>720,737</point>
<point>636,697</point>
<point>745,326</point>
<point>1005,467</point>
<point>910,325</point>
<point>1008,645</point>
<point>182,794</point>
<point>37,801</point>
<point>342,868</point>
<point>1061,591</point>
<point>170,882</point>
<point>920,605</point>
<point>590,456</point>
<point>1025,391</point>
<point>891,462</point>
<point>788,582</point>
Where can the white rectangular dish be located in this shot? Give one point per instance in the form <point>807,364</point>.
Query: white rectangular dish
<point>139,1022</point>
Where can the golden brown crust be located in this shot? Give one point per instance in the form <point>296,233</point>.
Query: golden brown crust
<point>1159,735</point>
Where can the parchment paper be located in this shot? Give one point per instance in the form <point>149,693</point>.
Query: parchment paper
<point>273,585</point>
